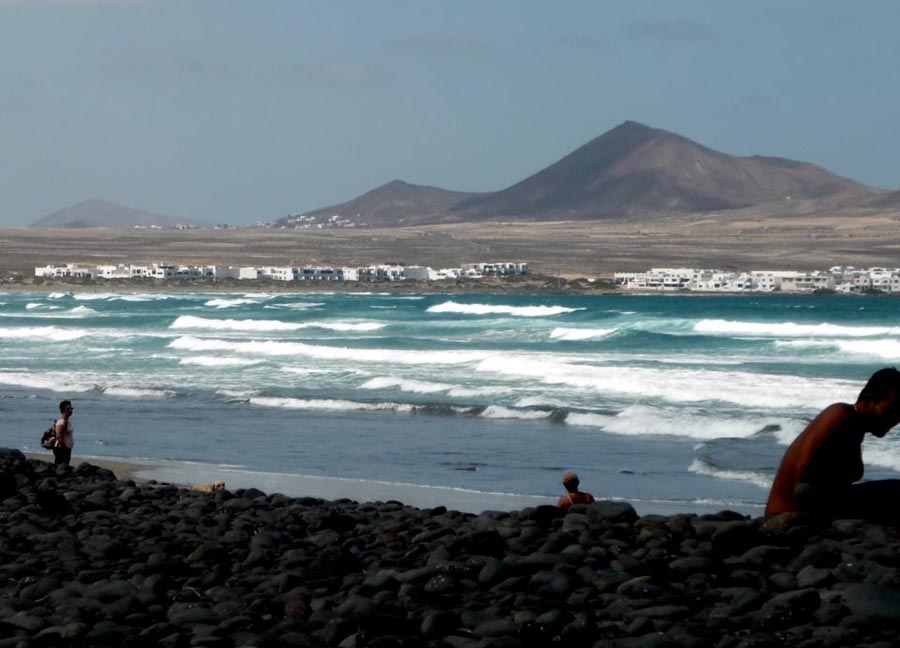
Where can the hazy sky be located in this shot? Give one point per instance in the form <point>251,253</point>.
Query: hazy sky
<point>233,111</point>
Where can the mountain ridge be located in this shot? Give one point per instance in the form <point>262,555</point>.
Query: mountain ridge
<point>97,212</point>
<point>632,170</point>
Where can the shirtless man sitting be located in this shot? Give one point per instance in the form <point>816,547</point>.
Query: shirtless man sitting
<point>819,468</point>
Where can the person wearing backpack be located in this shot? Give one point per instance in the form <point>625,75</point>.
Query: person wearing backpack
<point>65,441</point>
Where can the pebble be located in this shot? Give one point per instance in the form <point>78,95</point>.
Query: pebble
<point>89,560</point>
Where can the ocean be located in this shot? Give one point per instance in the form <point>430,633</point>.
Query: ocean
<point>672,402</point>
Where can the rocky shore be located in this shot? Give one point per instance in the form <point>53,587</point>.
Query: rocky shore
<point>87,559</point>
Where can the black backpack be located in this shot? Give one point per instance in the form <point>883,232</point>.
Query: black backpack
<point>48,438</point>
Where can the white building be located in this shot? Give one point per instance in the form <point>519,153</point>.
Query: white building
<point>494,269</point>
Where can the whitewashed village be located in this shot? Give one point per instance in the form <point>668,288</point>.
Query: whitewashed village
<point>385,272</point>
<point>840,279</point>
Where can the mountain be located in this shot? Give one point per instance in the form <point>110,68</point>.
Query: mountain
<point>632,170</point>
<point>889,200</point>
<point>394,203</point>
<point>636,170</point>
<point>95,212</point>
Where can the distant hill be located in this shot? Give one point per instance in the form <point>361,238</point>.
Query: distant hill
<point>637,170</point>
<point>632,170</point>
<point>95,212</point>
<point>394,203</point>
<point>889,200</point>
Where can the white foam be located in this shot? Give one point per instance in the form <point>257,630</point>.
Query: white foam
<point>674,384</point>
<point>58,295</point>
<point>48,333</point>
<point>135,392</point>
<point>790,329</point>
<point>405,385</point>
<point>474,392</point>
<point>94,296</point>
<point>228,303</point>
<point>218,361</point>
<point>326,404</point>
<point>645,420</point>
<point>500,412</point>
<point>280,349</point>
<point>203,323</point>
<point>762,480</point>
<point>81,311</point>
<point>575,334</point>
<point>883,452</point>
<point>883,349</point>
<point>498,309</point>
<point>297,305</point>
<point>52,382</point>
<point>33,305</point>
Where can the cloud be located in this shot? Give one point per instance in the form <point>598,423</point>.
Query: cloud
<point>435,46</point>
<point>684,31</point>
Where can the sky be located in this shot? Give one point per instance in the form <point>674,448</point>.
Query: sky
<point>235,111</point>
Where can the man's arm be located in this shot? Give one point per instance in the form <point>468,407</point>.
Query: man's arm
<point>60,429</point>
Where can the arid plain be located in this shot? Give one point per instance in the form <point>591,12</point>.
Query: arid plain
<point>741,240</point>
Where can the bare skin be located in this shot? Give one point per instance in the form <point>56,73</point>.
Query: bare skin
<point>61,426</point>
<point>820,467</point>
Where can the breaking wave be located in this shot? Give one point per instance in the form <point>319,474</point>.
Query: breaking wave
<point>790,329</point>
<point>575,334</point>
<point>194,322</point>
<point>277,349</point>
<point>498,309</point>
<point>135,392</point>
<point>218,361</point>
<point>701,467</point>
<point>48,333</point>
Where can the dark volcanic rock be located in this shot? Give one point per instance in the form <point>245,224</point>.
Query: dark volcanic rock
<point>130,564</point>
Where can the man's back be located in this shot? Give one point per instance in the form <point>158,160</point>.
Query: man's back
<point>820,464</point>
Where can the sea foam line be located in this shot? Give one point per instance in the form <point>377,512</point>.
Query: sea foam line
<point>701,467</point>
<point>51,382</point>
<point>679,385</point>
<point>204,323</point>
<point>326,404</point>
<point>886,349</point>
<point>575,334</point>
<point>790,329</point>
<point>48,333</point>
<point>279,349</point>
<point>499,309</point>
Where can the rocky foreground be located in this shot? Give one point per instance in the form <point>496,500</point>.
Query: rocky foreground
<point>89,560</point>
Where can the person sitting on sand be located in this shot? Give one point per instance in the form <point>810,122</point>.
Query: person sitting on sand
<point>573,496</point>
<point>65,441</point>
<point>819,468</point>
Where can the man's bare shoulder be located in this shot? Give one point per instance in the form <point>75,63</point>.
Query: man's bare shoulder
<point>831,419</point>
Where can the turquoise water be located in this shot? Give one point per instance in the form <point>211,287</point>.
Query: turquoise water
<point>671,398</point>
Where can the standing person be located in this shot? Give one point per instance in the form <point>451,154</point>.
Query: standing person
<point>65,441</point>
<point>819,468</point>
<point>573,495</point>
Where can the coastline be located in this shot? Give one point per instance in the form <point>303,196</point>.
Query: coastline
<point>534,285</point>
<point>187,474</point>
<point>90,560</point>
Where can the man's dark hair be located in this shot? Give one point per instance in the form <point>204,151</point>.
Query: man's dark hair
<point>882,385</point>
<point>64,404</point>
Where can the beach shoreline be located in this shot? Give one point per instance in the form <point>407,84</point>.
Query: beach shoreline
<point>189,474</point>
<point>92,560</point>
